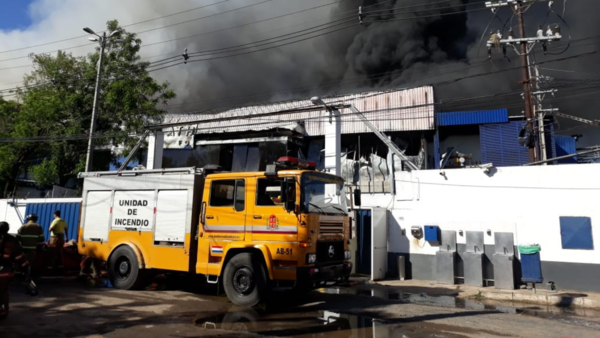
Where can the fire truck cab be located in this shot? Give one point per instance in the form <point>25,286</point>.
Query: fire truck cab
<point>250,231</point>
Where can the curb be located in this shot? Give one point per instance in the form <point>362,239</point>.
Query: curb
<point>555,299</point>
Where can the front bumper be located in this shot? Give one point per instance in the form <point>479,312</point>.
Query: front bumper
<point>325,273</point>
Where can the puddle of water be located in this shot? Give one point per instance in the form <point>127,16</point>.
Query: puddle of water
<point>576,316</point>
<point>309,324</point>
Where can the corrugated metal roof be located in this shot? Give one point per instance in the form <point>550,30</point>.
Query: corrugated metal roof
<point>398,110</point>
<point>45,211</point>
<point>459,118</point>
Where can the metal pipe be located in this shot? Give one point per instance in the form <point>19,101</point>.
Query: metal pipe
<point>133,151</point>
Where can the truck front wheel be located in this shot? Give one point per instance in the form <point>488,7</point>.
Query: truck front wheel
<point>244,279</point>
<point>123,269</point>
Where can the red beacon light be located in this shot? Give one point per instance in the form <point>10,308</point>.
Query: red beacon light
<point>292,162</point>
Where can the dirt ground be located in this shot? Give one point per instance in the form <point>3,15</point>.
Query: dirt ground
<point>67,307</point>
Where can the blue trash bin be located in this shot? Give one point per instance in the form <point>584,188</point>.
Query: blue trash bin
<point>531,268</point>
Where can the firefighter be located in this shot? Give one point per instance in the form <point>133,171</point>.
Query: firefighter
<point>10,253</point>
<point>58,232</point>
<point>31,236</point>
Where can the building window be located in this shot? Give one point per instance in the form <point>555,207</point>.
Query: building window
<point>228,193</point>
<point>576,233</point>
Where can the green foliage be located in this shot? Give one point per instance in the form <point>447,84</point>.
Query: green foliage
<point>57,103</point>
<point>45,174</point>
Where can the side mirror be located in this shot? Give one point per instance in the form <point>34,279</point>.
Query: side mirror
<point>357,195</point>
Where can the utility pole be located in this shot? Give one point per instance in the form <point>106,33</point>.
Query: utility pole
<point>102,41</point>
<point>526,45</point>
<point>526,79</point>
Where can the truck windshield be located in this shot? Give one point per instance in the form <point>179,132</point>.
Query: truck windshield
<point>324,194</point>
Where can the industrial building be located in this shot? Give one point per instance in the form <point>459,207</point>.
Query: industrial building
<point>445,195</point>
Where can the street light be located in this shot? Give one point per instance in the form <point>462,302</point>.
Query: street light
<point>102,40</point>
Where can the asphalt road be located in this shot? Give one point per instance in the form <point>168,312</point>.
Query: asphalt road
<point>68,308</point>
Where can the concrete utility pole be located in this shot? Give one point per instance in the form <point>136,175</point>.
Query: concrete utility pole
<point>102,41</point>
<point>526,45</point>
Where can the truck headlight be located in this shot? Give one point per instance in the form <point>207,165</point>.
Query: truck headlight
<point>347,254</point>
<point>311,258</point>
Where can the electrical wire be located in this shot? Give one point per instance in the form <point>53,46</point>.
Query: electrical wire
<point>257,50</point>
<point>210,32</point>
<point>146,31</point>
<point>387,11</point>
<point>243,53</point>
<point>430,16</point>
<point>128,25</point>
<point>569,29</point>
<point>254,22</point>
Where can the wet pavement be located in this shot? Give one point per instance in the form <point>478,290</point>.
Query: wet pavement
<point>68,308</point>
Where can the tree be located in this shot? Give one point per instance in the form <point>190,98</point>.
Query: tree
<point>56,104</point>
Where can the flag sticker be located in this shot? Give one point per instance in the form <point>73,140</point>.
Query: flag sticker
<point>216,249</point>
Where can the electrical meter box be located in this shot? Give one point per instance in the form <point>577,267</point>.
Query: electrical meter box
<point>416,231</point>
<point>432,233</point>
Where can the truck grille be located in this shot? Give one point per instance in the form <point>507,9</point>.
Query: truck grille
<point>330,251</point>
<point>327,228</point>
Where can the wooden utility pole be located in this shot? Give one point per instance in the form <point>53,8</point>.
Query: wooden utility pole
<point>526,80</point>
<point>525,45</point>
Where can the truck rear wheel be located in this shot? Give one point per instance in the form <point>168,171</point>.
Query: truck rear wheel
<point>124,271</point>
<point>244,279</point>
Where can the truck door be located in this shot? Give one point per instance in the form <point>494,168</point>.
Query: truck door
<point>222,220</point>
<point>270,220</point>
<point>225,212</point>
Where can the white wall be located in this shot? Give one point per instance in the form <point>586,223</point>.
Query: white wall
<point>526,201</point>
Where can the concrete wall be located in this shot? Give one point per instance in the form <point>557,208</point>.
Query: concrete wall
<point>525,201</point>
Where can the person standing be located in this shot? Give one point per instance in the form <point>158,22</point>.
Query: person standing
<point>11,254</point>
<point>31,236</point>
<point>58,235</point>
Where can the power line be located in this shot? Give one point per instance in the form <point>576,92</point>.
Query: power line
<point>390,10</point>
<point>258,50</point>
<point>255,22</point>
<point>128,25</point>
<point>285,44</point>
<point>141,32</point>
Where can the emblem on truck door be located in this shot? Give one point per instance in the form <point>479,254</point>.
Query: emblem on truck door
<point>331,251</point>
<point>272,222</point>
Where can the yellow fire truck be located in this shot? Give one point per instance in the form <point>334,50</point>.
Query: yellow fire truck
<point>249,231</point>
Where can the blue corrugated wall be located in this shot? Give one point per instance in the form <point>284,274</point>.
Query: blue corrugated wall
<point>45,211</point>
<point>500,144</point>
<point>565,145</point>
<point>461,118</point>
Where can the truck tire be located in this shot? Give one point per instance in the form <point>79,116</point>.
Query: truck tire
<point>240,320</point>
<point>244,279</point>
<point>123,269</point>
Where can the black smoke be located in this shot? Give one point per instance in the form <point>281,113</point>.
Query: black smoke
<point>400,44</point>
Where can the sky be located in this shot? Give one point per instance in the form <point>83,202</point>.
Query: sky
<point>14,14</point>
<point>430,49</point>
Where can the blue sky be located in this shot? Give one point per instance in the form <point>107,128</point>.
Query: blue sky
<point>13,14</point>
